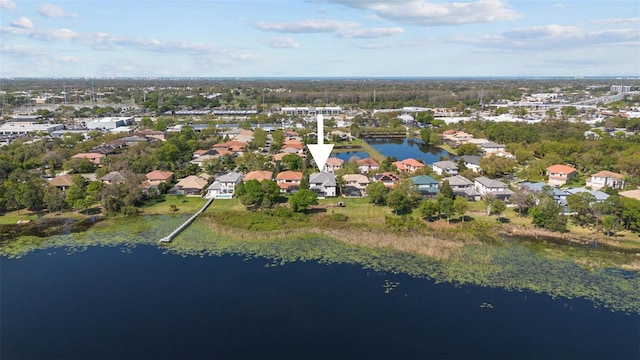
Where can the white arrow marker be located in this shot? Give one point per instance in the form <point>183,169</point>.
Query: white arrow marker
<point>320,151</point>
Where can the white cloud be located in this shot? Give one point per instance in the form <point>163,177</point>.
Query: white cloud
<point>22,23</point>
<point>616,21</point>
<point>7,5</point>
<point>374,33</point>
<point>105,41</point>
<point>425,13</point>
<point>346,29</point>
<point>554,37</point>
<point>308,26</point>
<point>20,51</point>
<point>50,10</point>
<point>282,43</point>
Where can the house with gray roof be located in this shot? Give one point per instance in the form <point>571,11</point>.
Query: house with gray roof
<point>559,195</point>
<point>599,195</point>
<point>445,167</point>
<point>489,147</point>
<point>472,163</point>
<point>492,187</point>
<point>324,184</point>
<point>224,187</point>
<point>462,186</point>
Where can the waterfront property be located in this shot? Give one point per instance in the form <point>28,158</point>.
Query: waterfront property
<point>409,165</point>
<point>491,187</point>
<point>355,185</point>
<point>224,187</point>
<point>289,181</point>
<point>324,184</point>
<point>427,186</point>
<point>367,165</point>
<point>445,167</point>
<point>192,185</point>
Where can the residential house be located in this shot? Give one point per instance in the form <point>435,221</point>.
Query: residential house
<point>472,163</point>
<point>445,167</point>
<point>157,177</point>
<point>502,153</point>
<point>462,186</point>
<point>559,195</point>
<point>489,147</point>
<point>258,175</point>
<point>190,186</point>
<point>114,177</point>
<point>599,195</point>
<point>324,184</point>
<point>560,174</point>
<point>427,186</point>
<point>134,140</point>
<point>490,187</point>
<point>408,165</point>
<point>367,165</point>
<point>604,179</point>
<point>455,138</point>
<point>333,164</point>
<point>289,181</point>
<point>62,182</point>
<point>233,146</point>
<point>224,187</point>
<point>94,157</point>
<point>389,179</point>
<point>355,185</point>
<point>151,134</point>
<point>296,145</point>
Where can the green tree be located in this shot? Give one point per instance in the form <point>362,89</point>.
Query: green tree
<point>259,139</point>
<point>301,200</point>
<point>495,166</point>
<point>428,209</point>
<point>498,207</point>
<point>548,215</point>
<point>398,201</point>
<point>580,205</point>
<point>446,190</point>
<point>292,162</point>
<point>467,149</point>
<point>253,194</point>
<point>272,193</point>
<point>277,140</point>
<point>460,206</point>
<point>445,206</point>
<point>425,135</point>
<point>377,193</point>
<point>54,199</point>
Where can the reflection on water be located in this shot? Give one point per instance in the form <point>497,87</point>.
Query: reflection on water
<point>402,148</point>
<point>144,303</point>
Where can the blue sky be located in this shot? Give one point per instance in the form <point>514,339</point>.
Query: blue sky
<point>347,38</point>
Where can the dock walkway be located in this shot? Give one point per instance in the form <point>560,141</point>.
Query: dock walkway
<point>184,225</point>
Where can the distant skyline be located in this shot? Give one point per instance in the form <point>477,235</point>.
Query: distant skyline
<point>319,38</point>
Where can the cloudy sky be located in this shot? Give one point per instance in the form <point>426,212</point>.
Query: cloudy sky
<point>289,38</point>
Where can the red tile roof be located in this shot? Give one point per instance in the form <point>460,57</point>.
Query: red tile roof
<point>564,169</point>
<point>289,175</point>
<point>258,175</point>
<point>159,175</point>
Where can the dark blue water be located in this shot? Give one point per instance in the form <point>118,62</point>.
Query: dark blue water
<point>103,303</point>
<point>403,148</point>
<point>347,155</point>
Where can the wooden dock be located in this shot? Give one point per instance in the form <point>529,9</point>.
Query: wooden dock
<point>184,225</point>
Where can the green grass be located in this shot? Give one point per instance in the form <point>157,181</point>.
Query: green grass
<point>162,205</point>
<point>12,217</point>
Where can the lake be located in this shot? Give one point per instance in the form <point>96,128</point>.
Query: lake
<point>145,302</point>
<point>403,148</point>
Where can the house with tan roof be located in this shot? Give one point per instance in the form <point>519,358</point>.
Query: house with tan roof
<point>62,182</point>
<point>333,164</point>
<point>192,185</point>
<point>409,165</point>
<point>151,134</point>
<point>259,175</point>
<point>560,174</point>
<point>94,157</point>
<point>289,181</point>
<point>631,194</point>
<point>367,165</point>
<point>156,177</point>
<point>604,179</point>
<point>114,177</point>
<point>355,185</point>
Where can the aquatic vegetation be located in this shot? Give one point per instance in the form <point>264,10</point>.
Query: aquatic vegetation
<point>513,265</point>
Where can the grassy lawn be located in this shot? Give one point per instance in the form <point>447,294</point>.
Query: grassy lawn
<point>162,205</point>
<point>357,209</point>
<point>13,217</point>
